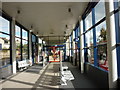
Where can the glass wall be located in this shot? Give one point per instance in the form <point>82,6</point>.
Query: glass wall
<point>96,37</point>
<point>102,44</point>
<point>101,36</point>
<point>21,39</point>
<point>4,41</point>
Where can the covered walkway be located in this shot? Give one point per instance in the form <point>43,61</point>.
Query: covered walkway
<point>59,45</point>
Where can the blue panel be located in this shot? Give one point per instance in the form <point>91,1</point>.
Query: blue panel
<point>117,28</point>
<point>94,38</point>
<point>78,37</point>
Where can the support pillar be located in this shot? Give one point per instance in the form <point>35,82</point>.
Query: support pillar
<point>81,47</point>
<point>30,48</point>
<point>13,46</point>
<point>111,44</point>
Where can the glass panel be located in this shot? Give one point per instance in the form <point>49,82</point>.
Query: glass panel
<point>89,42</point>
<point>88,21</point>
<point>4,25</point>
<point>18,48</point>
<point>5,41</point>
<point>89,38</point>
<point>90,55</point>
<point>102,56</point>
<point>99,11</point>
<point>81,26</point>
<point>4,49</point>
<point>33,38</point>
<point>17,31</point>
<point>24,34</point>
<point>101,33</point>
<point>102,45</point>
<point>24,49</point>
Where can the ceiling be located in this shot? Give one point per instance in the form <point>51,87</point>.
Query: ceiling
<point>47,18</point>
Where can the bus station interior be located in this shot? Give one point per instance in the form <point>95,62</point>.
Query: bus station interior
<point>59,45</point>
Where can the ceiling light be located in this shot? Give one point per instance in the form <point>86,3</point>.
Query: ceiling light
<point>69,9</point>
<point>31,30</point>
<point>66,26</point>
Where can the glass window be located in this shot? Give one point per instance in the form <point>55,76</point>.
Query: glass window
<point>24,44</point>
<point>89,42</point>
<point>102,45</point>
<point>18,48</point>
<point>102,56</point>
<point>4,42</point>
<point>101,33</point>
<point>33,38</point>
<point>89,38</point>
<point>24,34</point>
<point>17,31</point>
<point>18,42</point>
<point>99,11</point>
<point>88,21</point>
<point>5,25</point>
<point>24,49</point>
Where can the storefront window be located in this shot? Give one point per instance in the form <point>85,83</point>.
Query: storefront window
<point>4,41</point>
